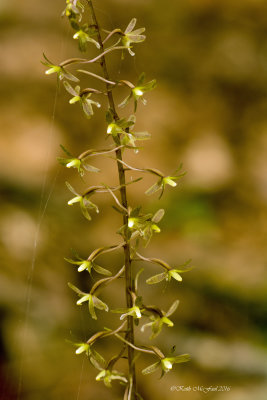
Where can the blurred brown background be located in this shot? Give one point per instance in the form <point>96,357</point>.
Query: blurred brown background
<point>209,111</point>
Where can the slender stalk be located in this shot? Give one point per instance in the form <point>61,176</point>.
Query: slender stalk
<point>96,76</point>
<point>84,61</point>
<point>129,284</point>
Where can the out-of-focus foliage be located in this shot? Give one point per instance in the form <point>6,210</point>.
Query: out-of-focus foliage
<point>209,112</point>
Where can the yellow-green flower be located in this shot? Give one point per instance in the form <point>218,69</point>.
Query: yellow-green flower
<point>169,274</point>
<point>163,181</point>
<point>83,97</point>
<point>88,265</point>
<point>83,348</point>
<point>134,312</point>
<point>107,376</point>
<point>77,163</point>
<point>95,358</point>
<point>124,128</point>
<point>84,36</point>
<point>73,11</point>
<point>129,36</point>
<point>166,364</point>
<point>83,201</point>
<point>138,91</point>
<point>159,318</point>
<point>146,224</point>
<point>61,72</point>
<point>93,301</point>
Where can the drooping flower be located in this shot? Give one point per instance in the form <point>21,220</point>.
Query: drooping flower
<point>95,358</point>
<point>93,301</point>
<point>163,181</point>
<point>73,11</point>
<point>107,376</point>
<point>135,311</point>
<point>84,35</point>
<point>138,91</point>
<point>169,274</point>
<point>166,364</point>
<point>83,97</point>
<point>82,348</point>
<point>83,201</point>
<point>146,224</point>
<point>85,264</point>
<point>130,36</point>
<point>159,318</point>
<point>116,127</point>
<point>76,162</point>
<point>80,164</point>
<point>61,72</point>
<point>124,127</point>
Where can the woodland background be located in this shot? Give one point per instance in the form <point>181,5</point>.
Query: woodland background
<point>209,112</point>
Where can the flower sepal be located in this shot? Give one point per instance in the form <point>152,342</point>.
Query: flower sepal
<point>138,91</point>
<point>107,376</point>
<point>88,265</point>
<point>84,202</point>
<point>83,97</point>
<point>163,181</point>
<point>93,301</point>
<point>166,364</point>
<point>84,36</point>
<point>130,36</point>
<point>170,273</point>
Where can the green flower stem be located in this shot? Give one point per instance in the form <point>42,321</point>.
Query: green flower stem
<point>85,61</point>
<point>117,201</point>
<point>129,283</point>
<point>116,358</point>
<point>152,171</point>
<point>142,349</point>
<point>153,261</point>
<point>102,334</point>
<point>91,153</point>
<point>96,76</point>
<point>111,34</point>
<point>106,281</point>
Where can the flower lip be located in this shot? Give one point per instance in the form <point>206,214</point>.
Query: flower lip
<point>74,99</point>
<point>52,70</point>
<point>73,163</point>
<point>167,365</point>
<point>82,348</point>
<point>174,274</point>
<point>138,312</point>
<point>100,375</point>
<point>86,297</point>
<point>167,321</point>
<point>109,130</point>
<point>138,92</point>
<point>130,222</point>
<point>74,200</point>
<point>170,182</point>
<point>84,266</point>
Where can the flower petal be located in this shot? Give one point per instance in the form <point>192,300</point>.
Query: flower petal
<point>157,278</point>
<point>101,270</point>
<point>99,304</point>
<point>151,368</point>
<point>130,26</point>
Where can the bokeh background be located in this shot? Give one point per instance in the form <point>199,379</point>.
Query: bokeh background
<point>209,112</point>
